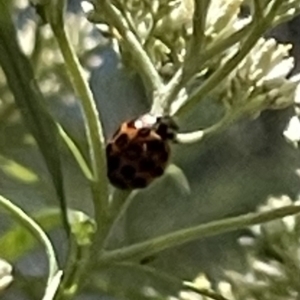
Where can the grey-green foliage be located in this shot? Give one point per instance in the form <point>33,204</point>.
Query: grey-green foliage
<point>214,52</point>
<point>159,25</point>
<point>273,259</point>
<point>272,269</point>
<point>182,59</point>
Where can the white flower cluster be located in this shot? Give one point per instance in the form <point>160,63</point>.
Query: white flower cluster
<point>222,19</point>
<point>260,80</point>
<point>272,253</point>
<point>273,257</point>
<point>164,27</point>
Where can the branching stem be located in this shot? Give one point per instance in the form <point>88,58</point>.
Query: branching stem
<point>158,244</point>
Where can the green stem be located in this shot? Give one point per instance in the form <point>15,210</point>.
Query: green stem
<point>93,129</point>
<point>258,10</point>
<point>158,244</point>
<point>148,72</point>
<point>23,219</point>
<point>22,82</point>
<point>196,43</point>
<point>199,22</point>
<point>220,46</point>
<point>118,200</point>
<point>163,98</point>
<point>96,142</point>
<point>121,200</point>
<point>76,153</point>
<point>200,135</point>
<point>78,261</point>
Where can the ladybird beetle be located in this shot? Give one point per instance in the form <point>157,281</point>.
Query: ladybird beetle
<point>139,151</point>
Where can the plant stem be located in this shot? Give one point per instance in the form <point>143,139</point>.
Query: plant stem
<point>28,98</point>
<point>79,257</point>
<point>76,153</point>
<point>148,72</point>
<point>200,135</point>
<point>158,244</point>
<point>120,203</point>
<point>93,130</point>
<point>164,97</point>
<point>258,10</point>
<point>119,198</point>
<point>196,44</point>
<point>96,142</point>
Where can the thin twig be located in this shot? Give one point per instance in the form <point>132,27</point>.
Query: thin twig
<point>199,22</point>
<point>180,237</point>
<point>93,126</point>
<point>163,99</point>
<point>148,72</point>
<point>78,260</point>
<point>196,44</point>
<point>200,135</point>
<point>121,200</point>
<point>76,153</point>
<point>258,10</point>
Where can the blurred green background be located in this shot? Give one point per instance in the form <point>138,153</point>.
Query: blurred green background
<point>230,174</point>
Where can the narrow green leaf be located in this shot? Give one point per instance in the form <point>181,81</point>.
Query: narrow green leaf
<point>35,230</point>
<point>179,177</point>
<point>52,286</point>
<point>17,240</point>
<point>86,170</point>
<point>17,171</point>
<point>28,97</point>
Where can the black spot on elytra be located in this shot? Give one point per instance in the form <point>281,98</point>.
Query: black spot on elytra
<point>128,171</point>
<point>122,140</point>
<point>134,151</point>
<point>117,182</point>
<point>155,146</point>
<point>139,183</point>
<point>146,165</point>
<point>144,132</point>
<point>158,171</point>
<point>163,156</point>
<point>113,163</point>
